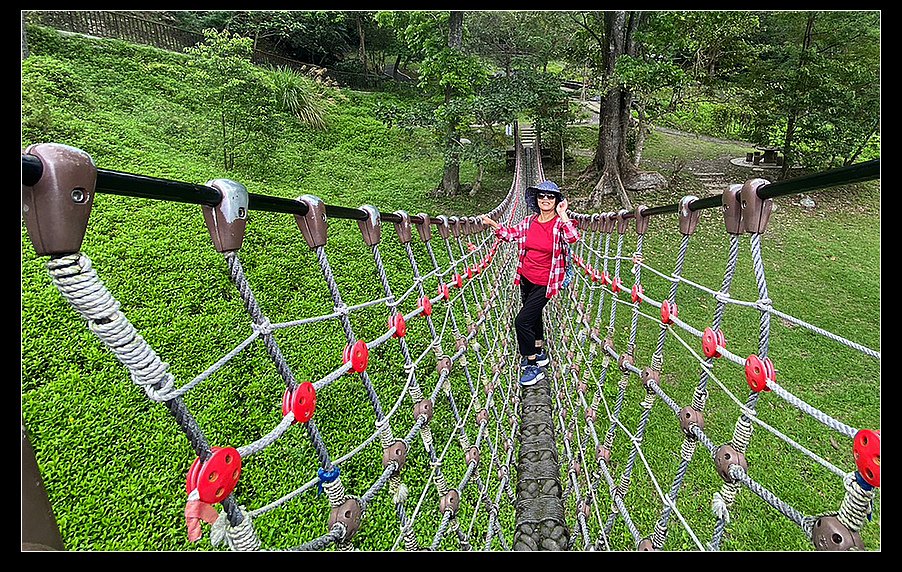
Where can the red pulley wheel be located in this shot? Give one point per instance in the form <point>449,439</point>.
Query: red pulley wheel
<point>867,455</point>
<point>636,291</point>
<point>426,303</point>
<point>758,373</point>
<point>710,340</point>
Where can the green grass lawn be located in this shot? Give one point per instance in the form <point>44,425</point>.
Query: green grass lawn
<point>114,462</point>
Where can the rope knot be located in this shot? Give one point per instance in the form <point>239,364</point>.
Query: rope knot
<point>264,327</point>
<point>763,304</point>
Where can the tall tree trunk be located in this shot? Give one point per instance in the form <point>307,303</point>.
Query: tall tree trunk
<point>361,50</point>
<point>640,136</point>
<point>610,130</point>
<point>451,176</point>
<point>24,38</point>
<point>794,112</point>
<point>395,70</point>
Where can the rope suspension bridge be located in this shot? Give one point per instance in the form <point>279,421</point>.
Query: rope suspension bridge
<point>468,459</point>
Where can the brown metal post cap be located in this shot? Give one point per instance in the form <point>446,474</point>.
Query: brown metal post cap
<point>455,225</point>
<point>645,545</point>
<point>57,207</point>
<point>482,416</point>
<point>755,211</point>
<point>623,224</point>
<point>732,209</point>
<point>396,452</point>
<point>444,226</point>
<point>724,458</point>
<point>425,227</point>
<point>371,227</point>
<point>347,513</point>
<point>313,225</point>
<point>449,501</point>
<point>423,407</point>
<point>403,228</point>
<point>690,416</point>
<point>688,218</point>
<point>641,219</point>
<point>227,221</point>
<point>595,222</point>
<point>828,533</point>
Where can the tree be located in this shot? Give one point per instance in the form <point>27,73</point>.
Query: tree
<point>234,88</point>
<point>447,75</point>
<point>612,164</point>
<point>819,99</point>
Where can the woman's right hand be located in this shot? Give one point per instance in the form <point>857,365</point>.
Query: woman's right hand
<point>487,221</point>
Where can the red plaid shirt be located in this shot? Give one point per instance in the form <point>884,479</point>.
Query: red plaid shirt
<point>562,230</point>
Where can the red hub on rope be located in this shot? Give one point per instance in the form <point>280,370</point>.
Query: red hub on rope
<point>636,291</point>
<point>605,278</point>
<point>668,311</point>
<point>397,322</point>
<point>758,373</point>
<point>426,303</point>
<point>471,247</point>
<point>615,284</point>
<point>216,478</point>
<point>867,455</point>
<point>469,273</point>
<point>358,354</point>
<point>443,290</point>
<point>301,402</point>
<point>458,280</point>
<point>594,276</point>
<point>710,340</point>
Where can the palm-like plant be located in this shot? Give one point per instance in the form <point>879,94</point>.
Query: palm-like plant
<point>300,96</point>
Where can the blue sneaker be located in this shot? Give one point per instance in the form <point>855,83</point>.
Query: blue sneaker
<point>542,358</point>
<point>531,375</point>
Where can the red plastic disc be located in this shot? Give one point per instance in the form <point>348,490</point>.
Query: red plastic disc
<point>443,290</point>
<point>758,373</point>
<point>710,340</point>
<point>426,303</point>
<point>217,478</point>
<point>358,354</point>
<point>469,273</point>
<point>397,322</point>
<point>615,285</point>
<point>637,289</point>
<point>867,455</point>
<point>458,280</point>
<point>471,247</point>
<point>605,279</point>
<point>594,276</point>
<point>303,402</point>
<point>668,311</point>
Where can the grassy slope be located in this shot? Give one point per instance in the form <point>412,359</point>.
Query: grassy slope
<point>112,460</point>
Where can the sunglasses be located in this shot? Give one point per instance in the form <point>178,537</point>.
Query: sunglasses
<point>546,196</point>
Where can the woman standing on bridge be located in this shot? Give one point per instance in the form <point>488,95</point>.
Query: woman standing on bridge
<point>540,270</point>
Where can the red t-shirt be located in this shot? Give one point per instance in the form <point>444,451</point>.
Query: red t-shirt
<point>539,246</point>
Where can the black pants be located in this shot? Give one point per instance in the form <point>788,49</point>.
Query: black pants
<point>529,320</point>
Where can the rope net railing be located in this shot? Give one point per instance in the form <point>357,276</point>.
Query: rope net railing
<point>463,457</point>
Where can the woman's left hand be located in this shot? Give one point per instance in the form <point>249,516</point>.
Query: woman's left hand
<point>561,208</point>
